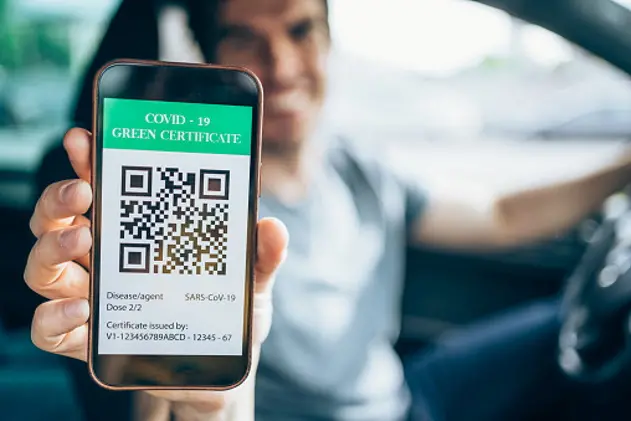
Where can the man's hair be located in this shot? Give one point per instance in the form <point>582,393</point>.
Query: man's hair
<point>139,17</point>
<point>204,23</point>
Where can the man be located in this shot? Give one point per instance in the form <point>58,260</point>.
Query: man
<point>329,354</point>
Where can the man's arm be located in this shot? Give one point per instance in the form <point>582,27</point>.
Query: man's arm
<point>518,217</point>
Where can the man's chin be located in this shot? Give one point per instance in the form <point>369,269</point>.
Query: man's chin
<point>286,145</point>
<point>287,132</point>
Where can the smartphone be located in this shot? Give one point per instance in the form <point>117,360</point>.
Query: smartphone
<point>175,177</point>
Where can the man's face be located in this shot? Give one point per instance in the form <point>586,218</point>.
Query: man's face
<point>285,43</point>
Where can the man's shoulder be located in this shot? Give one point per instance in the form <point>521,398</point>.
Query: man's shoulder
<point>349,154</point>
<point>371,181</point>
<point>367,170</point>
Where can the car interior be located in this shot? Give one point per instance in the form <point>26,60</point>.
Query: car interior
<point>587,269</point>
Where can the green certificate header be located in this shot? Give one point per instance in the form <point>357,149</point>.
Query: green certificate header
<point>177,126</point>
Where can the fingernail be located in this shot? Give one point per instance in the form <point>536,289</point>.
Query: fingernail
<point>67,238</point>
<point>77,309</point>
<point>67,191</point>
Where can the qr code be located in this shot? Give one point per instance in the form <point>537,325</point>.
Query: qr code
<point>179,226</point>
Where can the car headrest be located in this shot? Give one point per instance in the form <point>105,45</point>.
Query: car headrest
<point>131,33</point>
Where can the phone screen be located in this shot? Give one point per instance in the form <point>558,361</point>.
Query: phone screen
<point>175,184</point>
<point>174,233</point>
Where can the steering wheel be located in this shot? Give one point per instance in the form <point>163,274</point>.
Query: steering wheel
<point>595,337</point>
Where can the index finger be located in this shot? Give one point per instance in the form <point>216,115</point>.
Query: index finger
<point>59,206</point>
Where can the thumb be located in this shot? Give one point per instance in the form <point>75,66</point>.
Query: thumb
<point>271,251</point>
<point>272,240</point>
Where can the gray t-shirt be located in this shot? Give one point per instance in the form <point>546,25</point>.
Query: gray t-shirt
<point>329,355</point>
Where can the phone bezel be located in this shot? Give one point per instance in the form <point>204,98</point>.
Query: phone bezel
<point>237,367</point>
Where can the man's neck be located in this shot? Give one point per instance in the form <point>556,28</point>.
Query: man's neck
<point>287,174</point>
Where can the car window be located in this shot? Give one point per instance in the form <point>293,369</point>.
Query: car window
<point>463,62</point>
<point>425,74</point>
<point>44,46</point>
<point>625,3</point>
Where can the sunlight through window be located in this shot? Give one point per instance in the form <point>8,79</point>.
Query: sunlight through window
<point>439,37</point>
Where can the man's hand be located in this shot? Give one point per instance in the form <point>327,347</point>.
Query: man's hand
<point>58,268</point>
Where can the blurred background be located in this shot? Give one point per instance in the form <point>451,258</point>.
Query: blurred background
<point>486,98</point>
<point>412,74</point>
